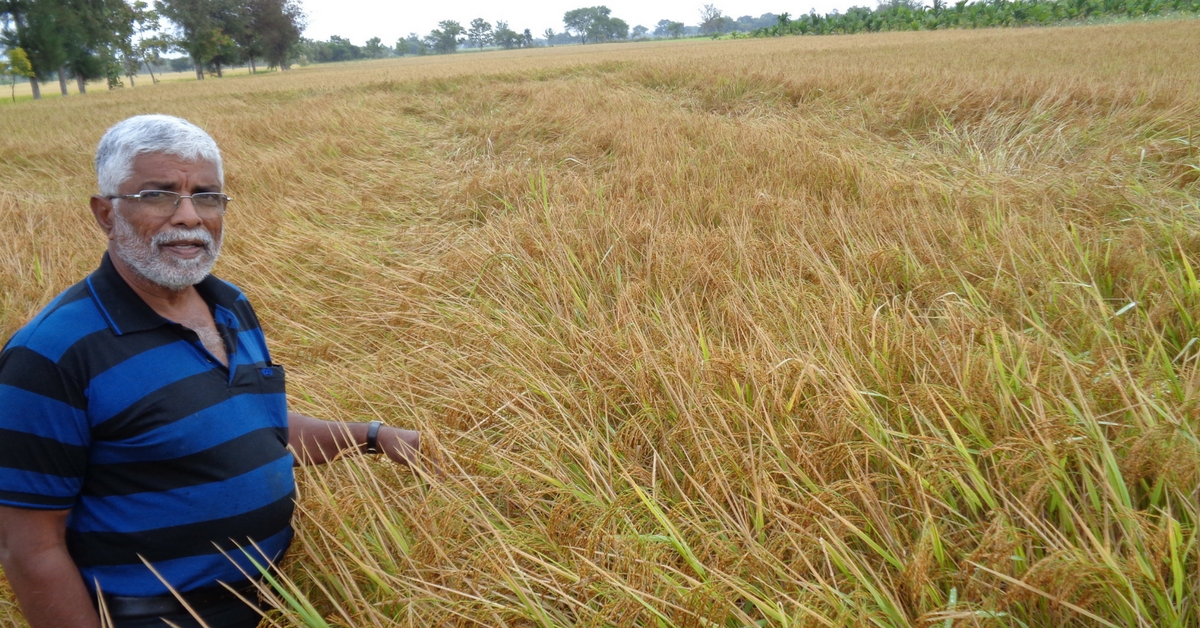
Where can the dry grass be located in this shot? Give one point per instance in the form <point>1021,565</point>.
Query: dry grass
<point>798,332</point>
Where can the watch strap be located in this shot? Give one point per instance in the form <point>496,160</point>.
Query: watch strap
<point>373,436</point>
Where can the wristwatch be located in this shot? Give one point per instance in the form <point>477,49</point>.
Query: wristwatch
<point>373,436</point>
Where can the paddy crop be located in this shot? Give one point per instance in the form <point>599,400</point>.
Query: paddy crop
<point>888,330</point>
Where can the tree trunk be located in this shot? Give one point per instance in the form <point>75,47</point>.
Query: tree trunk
<point>219,75</point>
<point>199,69</point>
<point>130,79</point>
<point>253,69</point>
<point>62,80</point>
<point>79,80</point>
<point>151,69</point>
<point>37,91</point>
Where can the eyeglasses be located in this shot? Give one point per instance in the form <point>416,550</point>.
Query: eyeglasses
<point>163,203</point>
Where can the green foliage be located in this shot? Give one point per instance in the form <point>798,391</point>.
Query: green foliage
<point>374,49</point>
<point>480,34</point>
<point>595,24</point>
<point>17,64</point>
<point>332,51</point>
<point>223,32</point>
<point>447,37</point>
<point>506,37</point>
<point>667,28</point>
<point>908,15</point>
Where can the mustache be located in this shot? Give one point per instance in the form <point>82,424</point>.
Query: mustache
<point>172,236</point>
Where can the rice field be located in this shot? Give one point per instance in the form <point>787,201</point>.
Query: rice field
<point>884,330</point>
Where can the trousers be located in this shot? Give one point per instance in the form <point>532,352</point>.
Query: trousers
<point>227,614</point>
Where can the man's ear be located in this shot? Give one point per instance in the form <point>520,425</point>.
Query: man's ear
<point>104,212</point>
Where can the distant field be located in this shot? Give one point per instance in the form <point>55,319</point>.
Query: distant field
<point>23,91</point>
<point>891,330</point>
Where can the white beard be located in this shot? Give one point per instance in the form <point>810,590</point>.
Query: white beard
<point>147,258</point>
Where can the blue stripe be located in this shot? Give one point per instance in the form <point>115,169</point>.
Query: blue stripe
<point>185,574</point>
<point>18,339</point>
<point>28,412</point>
<point>254,345</point>
<point>130,381</point>
<point>225,317</point>
<point>55,329</point>
<point>100,305</point>
<point>65,327</point>
<point>39,483</point>
<point>202,430</point>
<point>194,504</point>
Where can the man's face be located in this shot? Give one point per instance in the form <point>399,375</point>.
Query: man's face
<point>174,251</point>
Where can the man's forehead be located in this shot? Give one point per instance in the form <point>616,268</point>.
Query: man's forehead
<point>165,165</point>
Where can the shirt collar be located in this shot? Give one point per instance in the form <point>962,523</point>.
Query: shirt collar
<point>126,312</point>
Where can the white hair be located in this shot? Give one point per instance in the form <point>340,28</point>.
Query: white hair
<point>156,133</point>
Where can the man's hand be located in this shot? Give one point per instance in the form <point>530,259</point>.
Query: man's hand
<point>33,552</point>
<point>404,446</point>
<point>317,442</point>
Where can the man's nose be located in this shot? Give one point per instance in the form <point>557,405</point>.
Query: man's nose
<point>185,213</point>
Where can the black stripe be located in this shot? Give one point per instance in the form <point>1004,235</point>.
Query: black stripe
<point>24,368</point>
<point>185,397</point>
<point>100,351</point>
<point>95,549</point>
<point>75,293</point>
<point>177,400</point>
<point>30,452</point>
<point>247,320</point>
<point>251,378</point>
<point>227,460</point>
<point>34,500</point>
<point>216,291</point>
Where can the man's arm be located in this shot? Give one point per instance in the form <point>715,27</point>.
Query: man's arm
<point>317,442</point>
<point>33,552</point>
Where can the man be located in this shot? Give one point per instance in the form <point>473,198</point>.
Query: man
<point>144,430</point>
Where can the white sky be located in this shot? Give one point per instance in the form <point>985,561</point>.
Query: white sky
<point>359,20</point>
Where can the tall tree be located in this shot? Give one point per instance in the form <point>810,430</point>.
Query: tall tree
<point>447,37</point>
<point>712,22</point>
<point>595,23</point>
<point>506,37</point>
<point>279,24</point>
<point>577,22</point>
<point>37,29</point>
<point>549,35</point>
<point>374,48</point>
<point>198,23</point>
<point>17,64</point>
<point>242,30</point>
<point>93,36</point>
<point>413,44</point>
<point>149,45</point>
<point>480,33</point>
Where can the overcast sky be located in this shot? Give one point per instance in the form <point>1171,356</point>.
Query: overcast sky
<point>359,20</point>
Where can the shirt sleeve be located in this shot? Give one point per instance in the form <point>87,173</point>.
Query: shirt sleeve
<point>44,432</point>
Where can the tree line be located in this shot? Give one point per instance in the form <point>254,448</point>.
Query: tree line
<point>96,39</point>
<point>913,15</point>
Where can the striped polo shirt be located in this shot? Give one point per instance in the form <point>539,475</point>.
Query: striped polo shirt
<point>159,451</point>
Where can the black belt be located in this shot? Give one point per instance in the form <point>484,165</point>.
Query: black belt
<point>120,606</point>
